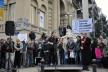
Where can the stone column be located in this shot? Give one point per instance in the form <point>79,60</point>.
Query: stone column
<point>56,14</point>
<point>85,9</point>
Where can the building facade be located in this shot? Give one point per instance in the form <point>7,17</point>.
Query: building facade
<point>37,15</point>
<point>86,9</point>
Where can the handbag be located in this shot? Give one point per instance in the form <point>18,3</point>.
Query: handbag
<point>72,54</point>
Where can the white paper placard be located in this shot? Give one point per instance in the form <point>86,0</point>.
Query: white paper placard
<point>22,37</point>
<point>82,26</point>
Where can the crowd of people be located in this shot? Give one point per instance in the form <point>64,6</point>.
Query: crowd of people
<point>53,49</point>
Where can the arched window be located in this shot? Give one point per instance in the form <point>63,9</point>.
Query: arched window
<point>11,12</point>
<point>50,14</point>
<point>34,6</point>
<point>42,16</point>
<point>62,13</point>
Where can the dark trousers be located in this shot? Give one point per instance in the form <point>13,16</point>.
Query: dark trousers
<point>46,57</point>
<point>17,61</point>
<point>2,59</point>
<point>35,54</point>
<point>62,58</point>
<point>53,58</point>
<point>86,58</point>
<point>70,60</point>
<point>34,58</point>
<point>78,57</point>
<point>52,54</point>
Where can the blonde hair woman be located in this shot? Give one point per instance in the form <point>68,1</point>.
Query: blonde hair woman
<point>18,47</point>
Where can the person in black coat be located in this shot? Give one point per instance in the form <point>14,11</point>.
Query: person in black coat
<point>42,49</point>
<point>93,46</point>
<point>86,51</point>
<point>52,44</point>
<point>45,51</point>
<point>3,53</point>
<point>61,51</point>
<point>71,46</point>
<point>17,60</point>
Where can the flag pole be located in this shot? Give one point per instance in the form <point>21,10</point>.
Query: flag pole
<point>7,7</point>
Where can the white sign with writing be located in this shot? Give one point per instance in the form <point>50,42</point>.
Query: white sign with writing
<point>22,37</point>
<point>82,26</point>
<point>75,26</point>
<point>22,23</point>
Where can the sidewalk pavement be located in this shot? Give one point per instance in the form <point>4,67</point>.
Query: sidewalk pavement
<point>36,69</point>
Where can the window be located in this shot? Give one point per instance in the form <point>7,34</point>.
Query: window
<point>42,19</point>
<point>42,16</point>
<point>12,11</point>
<point>50,15</point>
<point>33,14</point>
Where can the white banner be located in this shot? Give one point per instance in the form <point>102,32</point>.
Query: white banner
<point>22,37</point>
<point>75,26</point>
<point>22,23</point>
<point>42,19</point>
<point>82,26</point>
